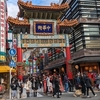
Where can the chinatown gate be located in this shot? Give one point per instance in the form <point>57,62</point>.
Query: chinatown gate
<point>40,29</point>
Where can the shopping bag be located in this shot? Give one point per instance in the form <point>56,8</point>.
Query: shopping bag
<point>78,92</point>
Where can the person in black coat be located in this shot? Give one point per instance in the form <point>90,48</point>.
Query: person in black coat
<point>20,85</point>
<point>34,85</point>
<point>77,83</point>
<point>14,86</point>
<point>83,89</point>
<point>56,86</point>
<point>89,86</point>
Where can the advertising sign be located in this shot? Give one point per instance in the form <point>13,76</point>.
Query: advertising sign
<point>2,30</point>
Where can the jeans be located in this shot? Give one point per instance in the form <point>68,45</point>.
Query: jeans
<point>66,86</point>
<point>14,93</point>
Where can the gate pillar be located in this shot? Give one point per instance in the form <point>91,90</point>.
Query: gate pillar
<point>68,58</point>
<point>19,58</point>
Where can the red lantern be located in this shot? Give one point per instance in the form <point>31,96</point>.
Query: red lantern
<point>49,54</point>
<point>58,50</point>
<point>35,58</point>
<point>42,56</point>
<point>24,60</point>
<point>30,60</point>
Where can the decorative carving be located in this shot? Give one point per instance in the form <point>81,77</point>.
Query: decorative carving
<point>17,21</point>
<point>52,6</point>
<point>59,21</point>
<point>65,22</point>
<point>28,3</point>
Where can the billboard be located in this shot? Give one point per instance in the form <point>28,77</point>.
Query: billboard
<point>3,30</point>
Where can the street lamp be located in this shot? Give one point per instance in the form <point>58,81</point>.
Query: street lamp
<point>10,83</point>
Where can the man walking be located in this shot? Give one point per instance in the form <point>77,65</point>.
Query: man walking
<point>89,86</point>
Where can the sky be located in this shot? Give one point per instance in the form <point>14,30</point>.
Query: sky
<point>13,7</point>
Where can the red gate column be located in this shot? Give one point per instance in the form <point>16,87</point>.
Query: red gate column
<point>19,58</point>
<point>68,58</point>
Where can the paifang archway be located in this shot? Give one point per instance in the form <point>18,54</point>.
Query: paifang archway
<point>40,28</point>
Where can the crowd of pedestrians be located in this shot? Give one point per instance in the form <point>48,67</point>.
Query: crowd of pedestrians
<point>54,85</point>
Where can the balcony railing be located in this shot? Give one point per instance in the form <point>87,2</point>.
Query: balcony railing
<point>57,62</point>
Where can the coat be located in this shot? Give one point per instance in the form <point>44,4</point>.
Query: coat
<point>57,87</point>
<point>77,82</point>
<point>98,80</point>
<point>88,82</point>
<point>34,84</point>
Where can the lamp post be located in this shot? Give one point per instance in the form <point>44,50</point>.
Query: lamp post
<point>10,83</point>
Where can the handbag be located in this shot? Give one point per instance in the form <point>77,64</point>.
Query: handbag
<point>78,92</point>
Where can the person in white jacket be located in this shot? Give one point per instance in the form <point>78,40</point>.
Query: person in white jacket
<point>27,86</point>
<point>49,84</point>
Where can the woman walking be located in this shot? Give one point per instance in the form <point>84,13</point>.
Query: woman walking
<point>20,84</point>
<point>56,87</point>
<point>27,87</point>
<point>89,86</point>
<point>34,86</point>
<point>77,82</point>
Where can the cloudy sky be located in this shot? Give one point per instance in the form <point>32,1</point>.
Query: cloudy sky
<point>13,8</point>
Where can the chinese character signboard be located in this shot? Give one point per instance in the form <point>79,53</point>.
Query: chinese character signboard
<point>31,40</point>
<point>2,30</point>
<point>43,28</point>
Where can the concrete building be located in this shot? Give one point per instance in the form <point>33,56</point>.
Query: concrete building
<point>85,38</point>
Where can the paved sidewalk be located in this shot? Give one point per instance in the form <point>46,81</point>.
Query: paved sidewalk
<point>39,94</point>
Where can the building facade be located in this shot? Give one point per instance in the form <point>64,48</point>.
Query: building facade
<point>3,27</point>
<point>39,29</point>
<point>85,37</point>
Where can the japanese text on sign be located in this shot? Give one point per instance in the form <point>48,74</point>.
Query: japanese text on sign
<point>2,58</point>
<point>2,26</point>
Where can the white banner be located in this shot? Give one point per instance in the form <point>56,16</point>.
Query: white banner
<point>2,26</point>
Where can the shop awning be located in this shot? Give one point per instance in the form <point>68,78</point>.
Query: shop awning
<point>4,69</point>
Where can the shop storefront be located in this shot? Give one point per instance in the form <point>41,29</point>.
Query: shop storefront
<point>4,75</point>
<point>89,67</point>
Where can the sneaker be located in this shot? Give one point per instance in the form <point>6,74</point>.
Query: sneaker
<point>95,95</point>
<point>88,96</point>
<point>58,97</point>
<point>54,96</point>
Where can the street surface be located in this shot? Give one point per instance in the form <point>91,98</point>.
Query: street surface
<point>64,96</point>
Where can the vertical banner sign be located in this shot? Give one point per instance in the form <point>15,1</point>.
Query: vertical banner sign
<point>9,39</point>
<point>2,30</point>
<point>34,67</point>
